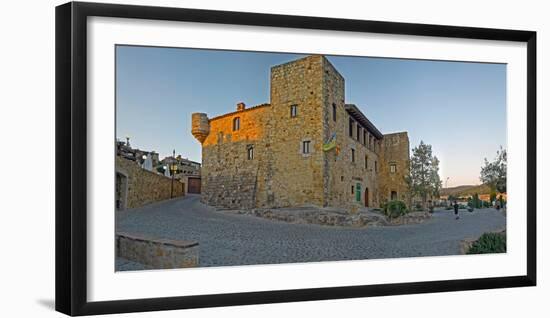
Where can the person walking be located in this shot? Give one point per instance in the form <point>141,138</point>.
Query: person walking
<point>455,206</point>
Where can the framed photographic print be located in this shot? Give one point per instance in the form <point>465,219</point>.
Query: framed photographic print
<point>209,158</point>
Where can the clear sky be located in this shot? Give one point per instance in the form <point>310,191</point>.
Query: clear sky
<point>459,108</point>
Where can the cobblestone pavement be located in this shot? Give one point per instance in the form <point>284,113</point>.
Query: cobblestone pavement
<point>230,239</point>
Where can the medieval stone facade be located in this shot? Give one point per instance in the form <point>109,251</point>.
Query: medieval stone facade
<point>306,147</point>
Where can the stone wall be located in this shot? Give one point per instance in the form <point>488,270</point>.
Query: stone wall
<point>136,186</point>
<point>295,178</point>
<point>157,253</point>
<point>395,151</point>
<point>229,178</point>
<point>343,173</point>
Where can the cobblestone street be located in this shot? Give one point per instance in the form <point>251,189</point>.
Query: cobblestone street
<point>229,239</point>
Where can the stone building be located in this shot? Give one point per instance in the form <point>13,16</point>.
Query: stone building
<point>305,147</point>
<point>124,150</point>
<point>187,171</point>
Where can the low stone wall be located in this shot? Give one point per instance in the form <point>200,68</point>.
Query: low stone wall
<point>411,218</point>
<point>157,253</point>
<point>333,217</point>
<point>137,186</point>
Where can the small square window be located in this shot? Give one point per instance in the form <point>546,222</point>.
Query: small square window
<point>293,110</point>
<point>393,167</point>
<point>305,146</point>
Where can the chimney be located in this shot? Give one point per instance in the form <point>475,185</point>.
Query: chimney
<point>241,106</point>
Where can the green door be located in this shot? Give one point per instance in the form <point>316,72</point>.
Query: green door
<point>358,192</point>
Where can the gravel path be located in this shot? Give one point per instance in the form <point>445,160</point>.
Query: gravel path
<point>229,239</point>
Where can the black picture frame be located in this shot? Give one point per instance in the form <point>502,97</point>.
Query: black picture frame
<point>71,157</point>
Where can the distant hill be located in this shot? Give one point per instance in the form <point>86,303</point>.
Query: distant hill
<point>465,190</point>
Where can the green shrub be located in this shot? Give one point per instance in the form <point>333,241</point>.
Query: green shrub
<point>395,208</point>
<point>489,243</point>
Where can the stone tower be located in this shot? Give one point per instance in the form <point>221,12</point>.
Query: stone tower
<point>395,167</point>
<point>297,99</point>
<point>200,126</point>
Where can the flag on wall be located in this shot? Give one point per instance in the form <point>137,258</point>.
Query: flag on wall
<point>331,143</point>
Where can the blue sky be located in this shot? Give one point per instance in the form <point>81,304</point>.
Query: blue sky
<point>459,108</point>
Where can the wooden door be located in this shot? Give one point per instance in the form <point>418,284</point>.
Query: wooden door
<point>194,185</point>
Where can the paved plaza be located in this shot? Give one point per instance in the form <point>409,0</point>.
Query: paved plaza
<point>231,239</point>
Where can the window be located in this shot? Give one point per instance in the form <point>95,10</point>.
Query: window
<point>305,146</point>
<point>293,110</point>
<point>364,137</point>
<point>352,189</point>
<point>352,155</point>
<point>236,123</point>
<point>351,122</point>
<point>366,162</point>
<point>333,111</point>
<point>393,167</point>
<point>358,132</point>
<point>250,152</point>
<point>393,195</point>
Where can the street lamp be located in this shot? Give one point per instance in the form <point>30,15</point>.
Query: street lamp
<point>173,167</point>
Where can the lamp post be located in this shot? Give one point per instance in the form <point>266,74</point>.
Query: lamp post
<point>173,168</point>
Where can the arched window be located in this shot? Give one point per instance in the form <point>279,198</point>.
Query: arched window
<point>250,152</point>
<point>236,123</point>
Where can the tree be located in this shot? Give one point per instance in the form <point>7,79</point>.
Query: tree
<point>423,178</point>
<point>494,173</point>
<point>434,177</point>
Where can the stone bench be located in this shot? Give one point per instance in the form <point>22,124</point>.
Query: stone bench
<point>157,253</point>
